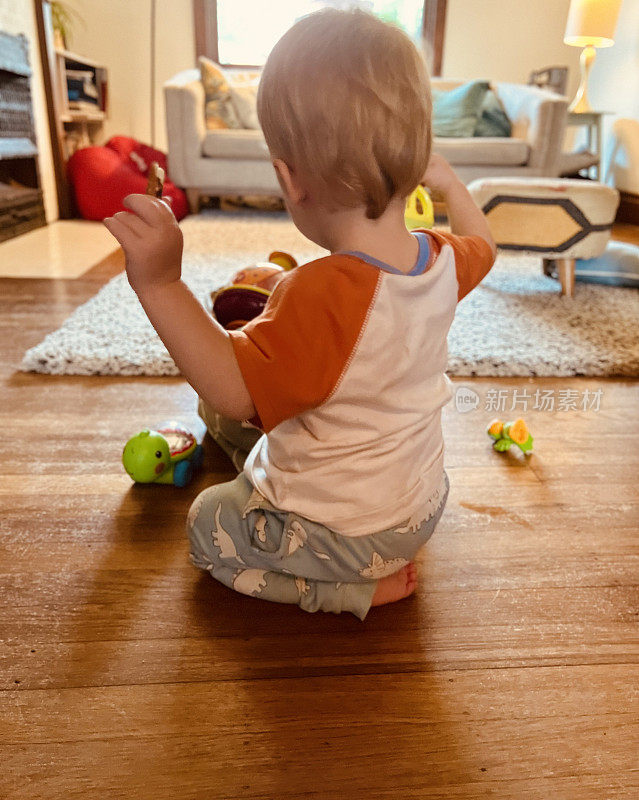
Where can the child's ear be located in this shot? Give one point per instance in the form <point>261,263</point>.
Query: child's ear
<point>289,180</point>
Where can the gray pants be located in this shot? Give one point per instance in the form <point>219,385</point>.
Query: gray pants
<point>259,550</point>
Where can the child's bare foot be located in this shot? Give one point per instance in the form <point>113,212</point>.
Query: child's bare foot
<point>396,586</point>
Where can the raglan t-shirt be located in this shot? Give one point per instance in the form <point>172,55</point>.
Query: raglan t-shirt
<point>346,370</point>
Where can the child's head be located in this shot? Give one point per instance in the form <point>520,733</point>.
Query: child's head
<point>344,101</point>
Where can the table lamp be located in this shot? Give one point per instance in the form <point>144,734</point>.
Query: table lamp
<point>591,24</point>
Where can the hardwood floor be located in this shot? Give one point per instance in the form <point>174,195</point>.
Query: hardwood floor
<point>127,673</point>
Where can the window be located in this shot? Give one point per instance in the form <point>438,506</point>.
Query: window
<point>248,29</point>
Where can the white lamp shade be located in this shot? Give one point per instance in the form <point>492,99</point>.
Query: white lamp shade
<point>592,22</point>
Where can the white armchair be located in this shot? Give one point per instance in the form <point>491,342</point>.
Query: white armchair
<point>218,162</point>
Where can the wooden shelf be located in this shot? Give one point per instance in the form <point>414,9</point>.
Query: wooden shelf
<point>68,130</point>
<point>82,116</point>
<point>79,59</point>
<point>80,127</point>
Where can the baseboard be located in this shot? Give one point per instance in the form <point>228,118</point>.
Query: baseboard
<point>628,210</point>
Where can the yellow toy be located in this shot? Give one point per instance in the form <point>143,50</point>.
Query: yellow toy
<point>509,433</point>
<point>419,211</point>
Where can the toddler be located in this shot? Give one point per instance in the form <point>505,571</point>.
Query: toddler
<point>329,401</point>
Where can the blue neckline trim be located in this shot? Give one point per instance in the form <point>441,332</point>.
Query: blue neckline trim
<point>420,265</point>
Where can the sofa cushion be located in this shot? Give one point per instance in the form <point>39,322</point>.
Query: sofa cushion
<point>219,109</point>
<point>244,97</point>
<point>492,120</point>
<point>455,112</point>
<point>235,144</point>
<point>483,150</point>
<point>250,144</point>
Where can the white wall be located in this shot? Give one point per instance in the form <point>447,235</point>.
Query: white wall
<point>18,16</point>
<point>505,40</point>
<point>118,34</point>
<point>614,86</point>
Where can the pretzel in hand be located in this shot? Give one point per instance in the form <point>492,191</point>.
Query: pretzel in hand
<point>155,185</point>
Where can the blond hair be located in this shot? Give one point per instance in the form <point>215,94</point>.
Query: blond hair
<point>345,99</point>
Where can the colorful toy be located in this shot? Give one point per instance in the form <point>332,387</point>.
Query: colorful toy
<point>509,433</point>
<point>245,297</point>
<point>419,211</point>
<point>169,454</point>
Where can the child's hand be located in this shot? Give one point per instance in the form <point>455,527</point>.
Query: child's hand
<point>439,175</point>
<point>151,239</point>
<point>464,217</point>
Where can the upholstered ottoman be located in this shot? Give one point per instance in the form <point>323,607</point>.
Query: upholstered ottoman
<point>558,219</point>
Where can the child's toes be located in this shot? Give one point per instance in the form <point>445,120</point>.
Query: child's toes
<point>411,578</point>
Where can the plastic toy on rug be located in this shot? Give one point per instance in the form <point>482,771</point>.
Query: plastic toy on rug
<point>245,296</point>
<point>509,433</point>
<point>169,454</point>
<point>419,211</point>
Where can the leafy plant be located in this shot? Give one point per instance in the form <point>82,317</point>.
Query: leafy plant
<point>63,18</point>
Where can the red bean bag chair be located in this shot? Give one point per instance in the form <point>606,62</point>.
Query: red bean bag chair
<point>103,176</point>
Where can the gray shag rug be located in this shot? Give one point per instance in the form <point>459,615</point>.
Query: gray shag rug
<point>514,324</point>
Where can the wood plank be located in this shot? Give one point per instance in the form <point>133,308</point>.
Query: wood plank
<point>49,603</point>
<point>325,650</point>
<point>627,214</point>
<point>461,629</point>
<point>448,728</point>
<point>496,695</point>
<point>240,761</point>
<point>625,232</point>
<point>542,557</point>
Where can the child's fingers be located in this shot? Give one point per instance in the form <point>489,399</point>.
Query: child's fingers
<point>123,234</point>
<point>146,207</point>
<point>133,223</point>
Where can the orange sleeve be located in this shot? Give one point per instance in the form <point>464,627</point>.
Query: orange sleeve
<point>293,354</point>
<point>473,258</point>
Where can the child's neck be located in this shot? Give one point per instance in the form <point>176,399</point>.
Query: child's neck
<point>385,239</point>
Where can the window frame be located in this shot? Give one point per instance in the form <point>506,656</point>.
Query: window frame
<point>207,41</point>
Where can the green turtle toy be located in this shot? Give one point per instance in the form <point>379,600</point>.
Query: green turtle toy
<point>169,454</point>
<point>509,433</point>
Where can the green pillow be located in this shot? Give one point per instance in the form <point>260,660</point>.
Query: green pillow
<point>493,120</point>
<point>455,113</point>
